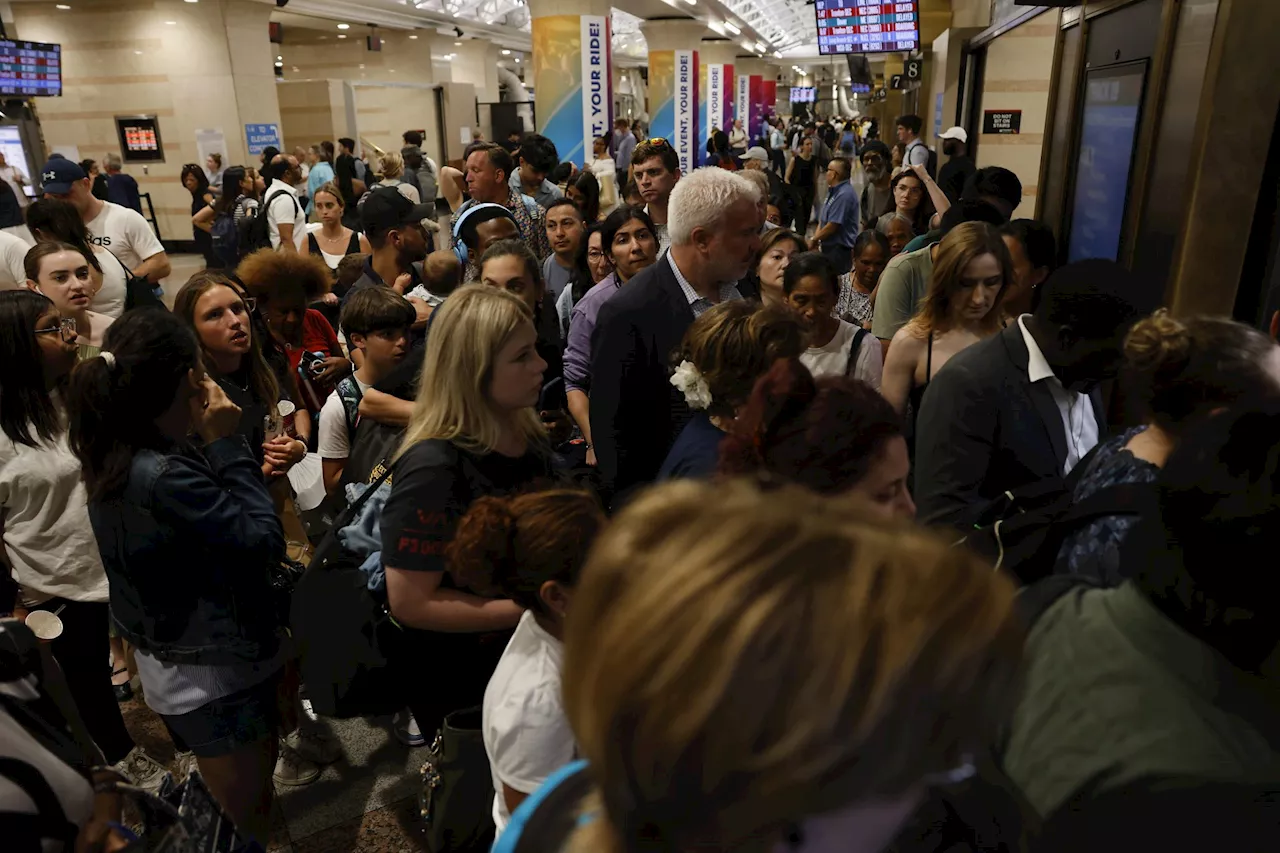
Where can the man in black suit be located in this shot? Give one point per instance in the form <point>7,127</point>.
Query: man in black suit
<point>1023,406</point>
<point>635,412</point>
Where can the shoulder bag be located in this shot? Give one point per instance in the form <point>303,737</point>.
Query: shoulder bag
<point>456,798</point>
<point>139,292</point>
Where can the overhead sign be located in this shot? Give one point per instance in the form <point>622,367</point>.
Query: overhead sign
<point>861,26</point>
<point>685,137</point>
<point>1002,122</point>
<point>913,70</point>
<point>597,100</point>
<point>30,68</point>
<point>897,81</point>
<point>140,139</point>
<point>261,137</point>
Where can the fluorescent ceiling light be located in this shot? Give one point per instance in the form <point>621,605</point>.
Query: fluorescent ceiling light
<point>728,25</point>
<point>413,38</point>
<point>517,59</point>
<point>344,26</point>
<point>171,23</point>
<point>759,47</point>
<point>341,36</point>
<point>716,27</point>
<point>62,7</point>
<point>506,52</point>
<point>692,2</point>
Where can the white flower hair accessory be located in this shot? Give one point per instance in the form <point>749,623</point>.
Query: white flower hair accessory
<point>689,382</point>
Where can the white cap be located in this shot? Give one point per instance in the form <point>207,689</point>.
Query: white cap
<point>955,133</point>
<point>755,152</point>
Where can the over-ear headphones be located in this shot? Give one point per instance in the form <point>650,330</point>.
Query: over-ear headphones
<point>460,248</point>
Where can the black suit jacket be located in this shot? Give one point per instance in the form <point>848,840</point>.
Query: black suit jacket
<point>984,428</point>
<point>636,414</point>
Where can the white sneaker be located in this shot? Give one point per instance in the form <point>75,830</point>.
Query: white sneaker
<point>406,730</point>
<point>143,770</point>
<point>292,770</point>
<point>315,743</point>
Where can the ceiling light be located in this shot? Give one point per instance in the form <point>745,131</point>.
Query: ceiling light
<point>341,36</point>
<point>731,27</point>
<point>777,54</point>
<point>506,52</point>
<point>192,1</point>
<point>137,53</point>
<point>62,6</point>
<point>716,27</point>
<point>344,26</point>
<point>413,38</point>
<point>692,2</point>
<point>759,47</point>
<point>171,23</point>
<point>457,44</point>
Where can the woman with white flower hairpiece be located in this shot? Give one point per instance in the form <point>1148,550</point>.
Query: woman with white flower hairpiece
<point>724,352</point>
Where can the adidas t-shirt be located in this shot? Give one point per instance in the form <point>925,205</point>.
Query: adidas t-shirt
<point>125,234</point>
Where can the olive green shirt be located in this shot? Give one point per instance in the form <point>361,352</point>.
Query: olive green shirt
<point>903,285</point>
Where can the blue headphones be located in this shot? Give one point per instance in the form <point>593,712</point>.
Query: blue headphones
<point>460,248</point>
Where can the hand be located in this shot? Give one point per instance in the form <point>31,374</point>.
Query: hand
<point>813,245</point>
<point>922,172</point>
<point>558,425</point>
<point>212,413</point>
<point>283,452</point>
<point>330,298</point>
<point>402,283</point>
<point>591,457</point>
<point>334,369</point>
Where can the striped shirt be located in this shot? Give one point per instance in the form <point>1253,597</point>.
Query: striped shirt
<point>698,303</point>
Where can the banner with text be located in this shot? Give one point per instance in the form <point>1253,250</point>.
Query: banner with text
<point>742,104</point>
<point>662,91</point>
<point>717,100</point>
<point>572,82</point>
<point>685,139</point>
<point>755,89</point>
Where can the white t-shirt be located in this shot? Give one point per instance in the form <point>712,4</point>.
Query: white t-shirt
<point>47,536</point>
<point>833,359</point>
<point>526,734</point>
<point>333,441</point>
<point>285,210</point>
<point>13,251</point>
<point>110,298</point>
<point>125,234</point>
<point>12,175</point>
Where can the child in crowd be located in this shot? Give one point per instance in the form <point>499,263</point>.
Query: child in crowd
<point>441,275</point>
<point>529,548</point>
<point>376,321</point>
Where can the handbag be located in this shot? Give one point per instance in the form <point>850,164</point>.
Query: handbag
<point>344,632</point>
<point>456,798</point>
<point>139,292</point>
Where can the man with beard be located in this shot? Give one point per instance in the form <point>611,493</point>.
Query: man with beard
<point>635,412</point>
<point>877,196</point>
<point>959,166</point>
<point>394,227</point>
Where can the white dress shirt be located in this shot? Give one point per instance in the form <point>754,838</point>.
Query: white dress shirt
<point>1076,409</point>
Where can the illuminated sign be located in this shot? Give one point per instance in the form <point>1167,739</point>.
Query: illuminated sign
<point>30,68</point>
<point>858,26</point>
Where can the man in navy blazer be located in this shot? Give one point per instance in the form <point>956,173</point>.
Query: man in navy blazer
<point>1023,406</point>
<point>636,414</point>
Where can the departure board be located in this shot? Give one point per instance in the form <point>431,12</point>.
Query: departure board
<point>860,26</point>
<point>30,68</point>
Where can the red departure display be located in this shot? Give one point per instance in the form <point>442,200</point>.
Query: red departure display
<point>30,68</point>
<point>859,26</point>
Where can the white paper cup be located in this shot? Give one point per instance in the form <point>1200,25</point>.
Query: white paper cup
<point>288,412</point>
<point>44,625</point>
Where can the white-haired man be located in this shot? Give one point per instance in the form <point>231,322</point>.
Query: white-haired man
<point>635,412</point>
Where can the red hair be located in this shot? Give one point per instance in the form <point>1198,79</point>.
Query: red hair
<point>822,434</point>
<point>511,546</point>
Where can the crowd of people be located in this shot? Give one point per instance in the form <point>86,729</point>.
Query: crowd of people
<point>664,480</point>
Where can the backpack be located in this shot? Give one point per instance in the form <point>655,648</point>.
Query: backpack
<point>852,364</point>
<point>1022,531</point>
<point>931,165</point>
<point>350,394</point>
<point>257,234</point>
<point>226,239</point>
<point>427,182</point>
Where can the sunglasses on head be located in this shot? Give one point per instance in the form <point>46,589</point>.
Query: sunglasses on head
<point>658,142</point>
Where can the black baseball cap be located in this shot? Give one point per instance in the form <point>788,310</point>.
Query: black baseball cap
<point>386,209</point>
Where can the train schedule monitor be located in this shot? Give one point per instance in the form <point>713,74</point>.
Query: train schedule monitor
<point>859,26</point>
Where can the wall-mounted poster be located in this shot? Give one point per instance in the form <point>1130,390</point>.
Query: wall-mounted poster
<point>140,139</point>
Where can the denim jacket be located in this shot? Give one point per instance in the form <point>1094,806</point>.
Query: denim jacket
<point>187,545</point>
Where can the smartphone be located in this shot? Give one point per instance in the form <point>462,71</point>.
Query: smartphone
<point>549,392</point>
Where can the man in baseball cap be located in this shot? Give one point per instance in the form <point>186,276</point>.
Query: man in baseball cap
<point>756,158</point>
<point>959,165</point>
<point>59,176</point>
<point>398,238</point>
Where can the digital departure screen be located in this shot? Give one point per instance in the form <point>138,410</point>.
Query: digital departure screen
<point>30,68</point>
<point>861,26</point>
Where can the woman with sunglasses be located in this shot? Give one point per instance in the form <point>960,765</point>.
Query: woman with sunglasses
<point>60,272</point>
<point>49,546</point>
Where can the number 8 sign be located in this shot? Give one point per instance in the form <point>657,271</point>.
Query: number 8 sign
<point>913,69</point>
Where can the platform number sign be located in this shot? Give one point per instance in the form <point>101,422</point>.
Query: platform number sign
<point>913,70</point>
<point>897,81</point>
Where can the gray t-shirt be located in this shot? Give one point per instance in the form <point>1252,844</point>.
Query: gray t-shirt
<point>556,276</point>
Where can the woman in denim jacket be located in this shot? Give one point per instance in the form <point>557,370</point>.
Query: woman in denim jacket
<point>186,536</point>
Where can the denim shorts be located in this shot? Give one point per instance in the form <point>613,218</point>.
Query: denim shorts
<point>225,725</point>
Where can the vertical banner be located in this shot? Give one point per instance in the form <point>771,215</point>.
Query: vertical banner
<point>563,95</point>
<point>742,106</point>
<point>755,89</point>
<point>597,83</point>
<point>770,97</point>
<point>685,138</point>
<point>714,95</point>
<point>662,90</point>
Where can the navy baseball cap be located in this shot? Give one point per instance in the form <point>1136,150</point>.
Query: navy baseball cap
<point>59,174</point>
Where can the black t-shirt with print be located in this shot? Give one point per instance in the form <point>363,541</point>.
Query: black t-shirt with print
<point>434,485</point>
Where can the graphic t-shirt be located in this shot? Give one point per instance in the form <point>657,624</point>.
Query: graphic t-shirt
<point>125,234</point>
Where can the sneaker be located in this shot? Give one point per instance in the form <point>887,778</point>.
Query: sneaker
<point>406,729</point>
<point>143,770</point>
<point>292,770</point>
<point>183,764</point>
<point>315,743</point>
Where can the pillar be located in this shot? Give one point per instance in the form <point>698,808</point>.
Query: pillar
<point>572,77</point>
<point>673,86</point>
<point>716,88</point>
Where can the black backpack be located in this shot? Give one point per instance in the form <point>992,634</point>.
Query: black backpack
<point>257,234</point>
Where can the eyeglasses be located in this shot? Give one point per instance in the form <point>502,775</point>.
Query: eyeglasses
<point>66,328</point>
<point>595,255</point>
<point>250,303</point>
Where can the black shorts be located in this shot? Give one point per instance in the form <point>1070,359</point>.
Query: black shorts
<point>225,725</point>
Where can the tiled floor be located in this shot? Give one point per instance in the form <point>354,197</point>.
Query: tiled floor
<point>365,803</point>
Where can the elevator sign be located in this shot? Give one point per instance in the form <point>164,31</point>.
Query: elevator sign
<point>861,26</point>
<point>597,99</point>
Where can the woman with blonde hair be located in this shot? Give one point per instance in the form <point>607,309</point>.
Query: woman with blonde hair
<point>390,168</point>
<point>961,307</point>
<point>724,352</point>
<point>1181,370</point>
<point>474,431</point>
<point>754,670</point>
